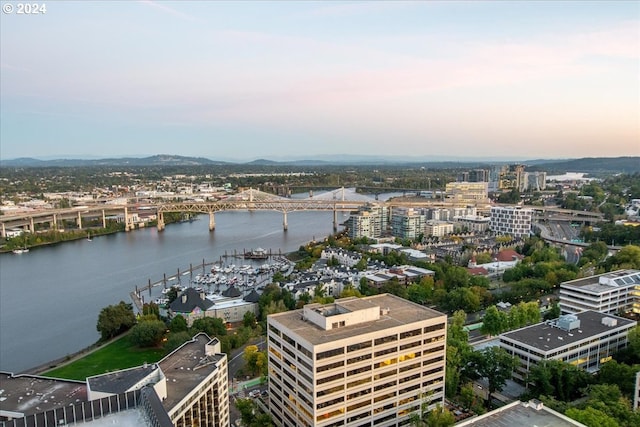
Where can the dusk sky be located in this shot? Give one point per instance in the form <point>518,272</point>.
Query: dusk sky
<point>298,79</point>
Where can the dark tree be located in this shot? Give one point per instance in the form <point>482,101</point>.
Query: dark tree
<point>178,324</point>
<point>148,333</point>
<point>115,319</point>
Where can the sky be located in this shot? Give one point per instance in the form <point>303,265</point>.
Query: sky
<point>234,80</point>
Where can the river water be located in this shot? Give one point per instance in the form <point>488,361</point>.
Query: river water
<point>50,298</point>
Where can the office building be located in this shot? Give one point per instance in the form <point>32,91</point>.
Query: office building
<point>613,292</point>
<point>585,339</point>
<point>511,220</point>
<point>467,192</point>
<point>356,362</point>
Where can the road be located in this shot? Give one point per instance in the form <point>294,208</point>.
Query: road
<point>235,364</point>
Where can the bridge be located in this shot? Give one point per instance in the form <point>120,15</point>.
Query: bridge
<point>339,200</point>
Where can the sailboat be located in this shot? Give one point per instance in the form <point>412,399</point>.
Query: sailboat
<point>88,237</point>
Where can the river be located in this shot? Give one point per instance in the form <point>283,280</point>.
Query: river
<point>50,298</point>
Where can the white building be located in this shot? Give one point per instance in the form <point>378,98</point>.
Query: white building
<point>438,228</point>
<point>586,340</point>
<point>359,360</point>
<point>407,223</point>
<point>512,220</point>
<point>611,293</point>
<point>369,221</point>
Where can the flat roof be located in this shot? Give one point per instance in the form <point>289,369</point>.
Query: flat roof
<point>401,312</point>
<point>186,368</point>
<point>31,394</point>
<point>522,414</point>
<point>120,381</point>
<point>128,418</point>
<point>546,337</point>
<point>621,278</point>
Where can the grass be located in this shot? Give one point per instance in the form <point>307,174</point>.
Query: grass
<point>119,354</point>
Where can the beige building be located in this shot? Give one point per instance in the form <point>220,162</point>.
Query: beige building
<point>357,361</point>
<point>467,192</point>
<point>438,228</point>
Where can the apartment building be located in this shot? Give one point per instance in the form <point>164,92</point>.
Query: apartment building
<point>369,221</point>
<point>613,292</point>
<point>407,223</point>
<point>356,362</point>
<point>586,339</point>
<point>438,228</point>
<point>512,220</point>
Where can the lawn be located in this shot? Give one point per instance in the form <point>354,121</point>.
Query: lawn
<point>119,354</point>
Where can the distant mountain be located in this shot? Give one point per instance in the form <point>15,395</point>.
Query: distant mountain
<point>157,160</point>
<point>592,165</point>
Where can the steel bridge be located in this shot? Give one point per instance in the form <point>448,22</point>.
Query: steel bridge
<point>339,200</point>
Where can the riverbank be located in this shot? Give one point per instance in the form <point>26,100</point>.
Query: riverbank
<point>69,237</point>
<point>70,358</point>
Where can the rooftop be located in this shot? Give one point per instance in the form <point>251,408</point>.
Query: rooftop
<point>28,394</point>
<point>186,367</point>
<point>522,414</point>
<point>603,283</point>
<point>397,312</point>
<point>546,336</point>
<point>120,381</point>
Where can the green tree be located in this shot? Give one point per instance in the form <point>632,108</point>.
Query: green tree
<point>494,321</point>
<point>591,417</point>
<point>175,340</point>
<point>148,333</point>
<point>212,326</point>
<point>115,319</point>
<point>350,291</point>
<point>178,324</point>
<point>494,364</point>
<point>249,319</point>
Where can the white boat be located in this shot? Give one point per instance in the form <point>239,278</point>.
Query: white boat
<point>21,251</point>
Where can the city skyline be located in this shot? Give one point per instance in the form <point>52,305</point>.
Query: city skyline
<point>249,80</point>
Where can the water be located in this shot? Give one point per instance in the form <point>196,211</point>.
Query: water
<point>50,298</point>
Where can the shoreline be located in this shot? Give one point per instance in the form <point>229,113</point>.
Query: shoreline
<point>41,369</point>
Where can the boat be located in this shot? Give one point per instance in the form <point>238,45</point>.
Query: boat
<point>88,237</point>
<point>257,253</point>
<point>22,250</point>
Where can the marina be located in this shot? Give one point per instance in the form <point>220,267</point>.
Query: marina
<point>213,279</point>
<point>50,298</point>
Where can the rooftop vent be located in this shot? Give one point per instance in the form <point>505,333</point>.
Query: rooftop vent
<point>384,311</point>
<point>568,322</point>
<point>609,321</point>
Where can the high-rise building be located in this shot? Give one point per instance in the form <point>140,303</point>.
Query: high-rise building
<point>370,361</point>
<point>407,223</point>
<point>369,221</point>
<point>532,181</point>
<point>512,220</point>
